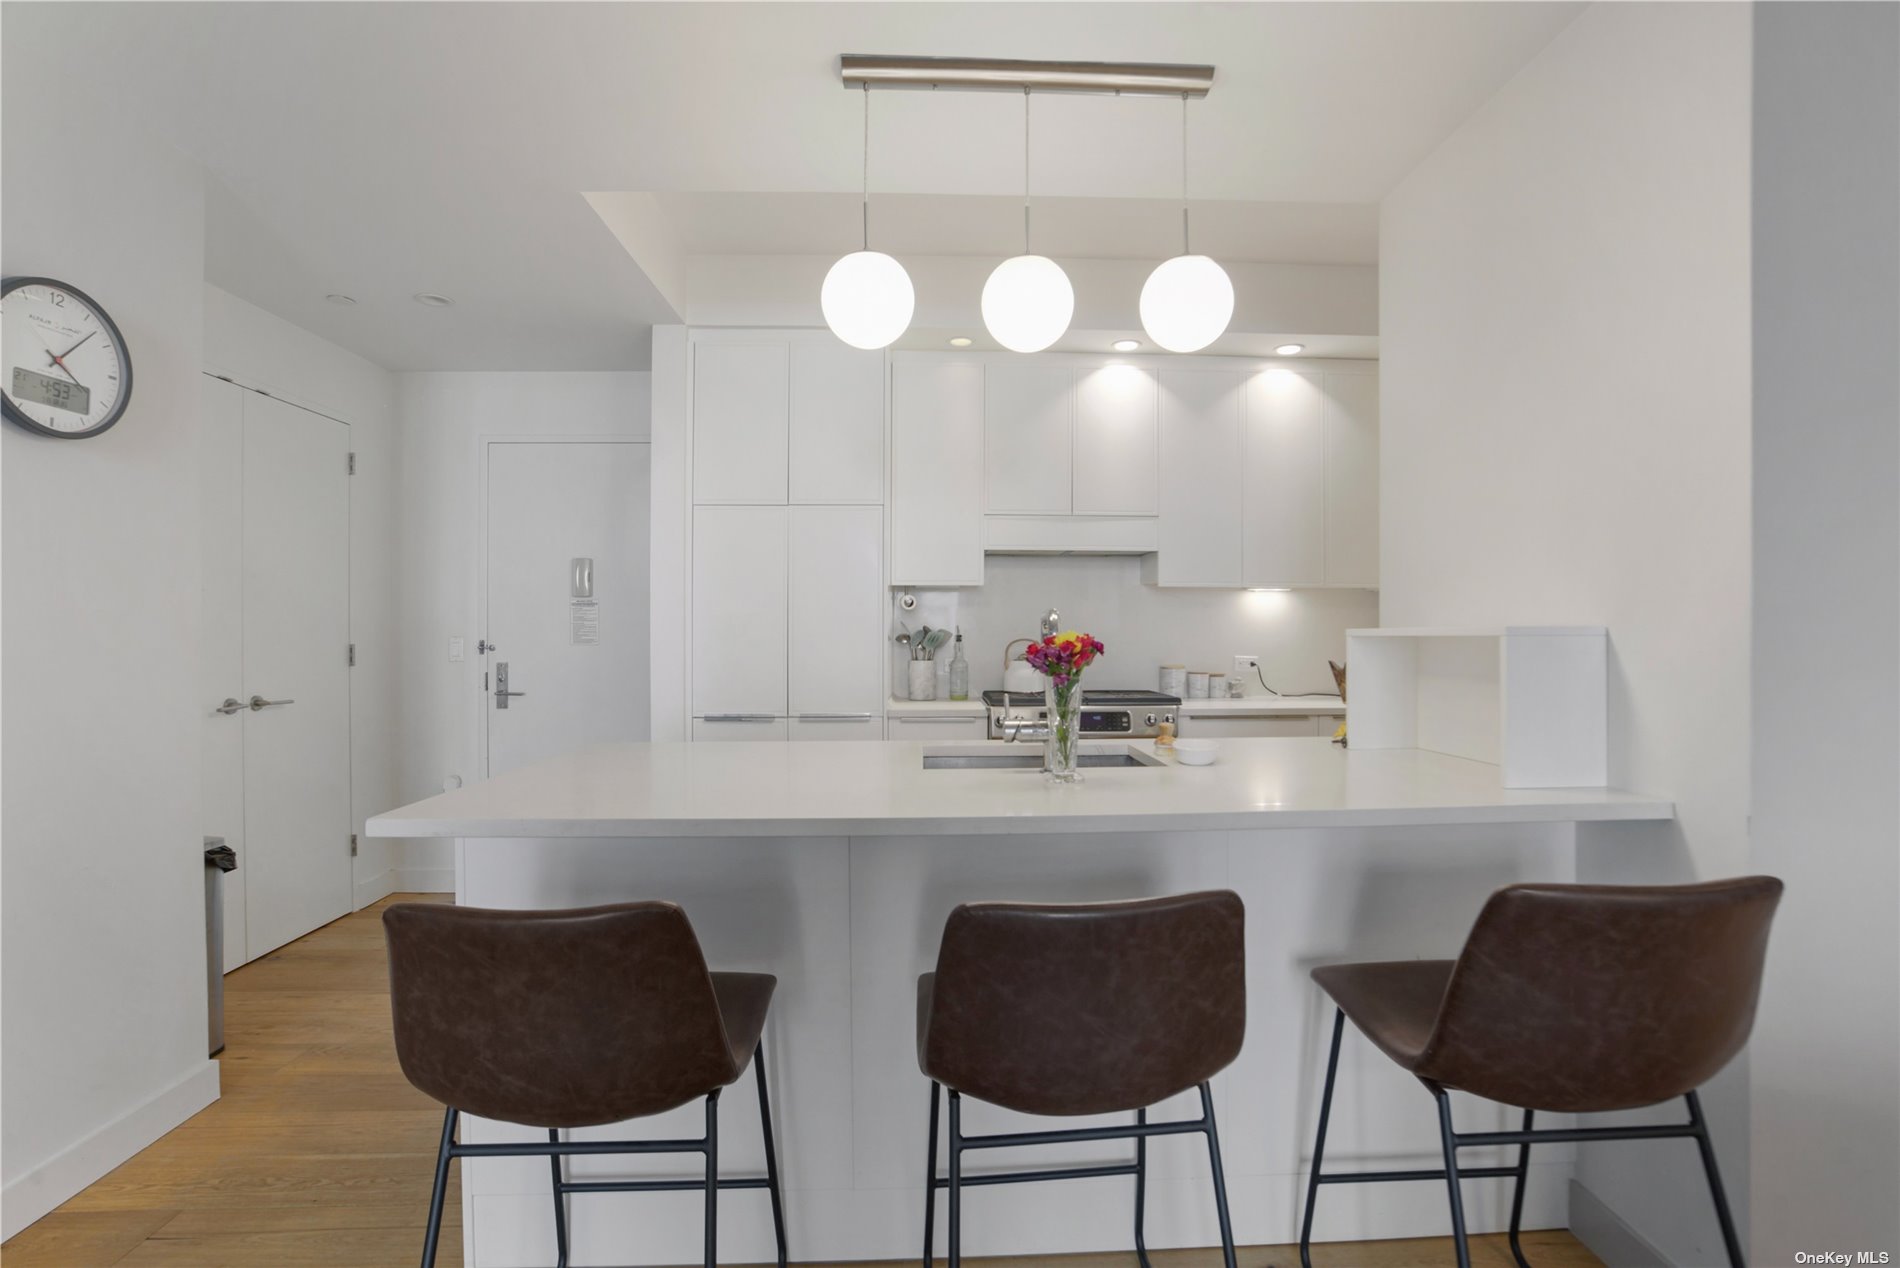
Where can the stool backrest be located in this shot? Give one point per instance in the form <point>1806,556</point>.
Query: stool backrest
<point>1585,998</point>
<point>555,1018</point>
<point>1091,1007</point>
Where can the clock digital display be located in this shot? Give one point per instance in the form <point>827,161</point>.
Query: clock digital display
<point>44,389</point>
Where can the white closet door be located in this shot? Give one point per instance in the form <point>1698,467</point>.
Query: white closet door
<point>936,473</point>
<point>1286,480</point>
<point>1027,408</point>
<point>837,614</point>
<point>1352,480</point>
<point>739,598</point>
<point>837,422</point>
<point>741,429</point>
<point>221,645</point>
<point>296,646</point>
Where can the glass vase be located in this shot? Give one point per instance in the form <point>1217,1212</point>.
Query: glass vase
<point>1060,751</point>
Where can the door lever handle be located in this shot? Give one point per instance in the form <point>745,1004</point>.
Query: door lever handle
<point>231,705</point>
<point>258,703</point>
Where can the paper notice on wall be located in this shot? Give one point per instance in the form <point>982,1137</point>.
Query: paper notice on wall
<point>583,622</point>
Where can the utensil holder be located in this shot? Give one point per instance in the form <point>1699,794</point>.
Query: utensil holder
<point>923,680</point>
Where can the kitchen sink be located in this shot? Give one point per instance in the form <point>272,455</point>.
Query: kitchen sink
<point>1023,761</point>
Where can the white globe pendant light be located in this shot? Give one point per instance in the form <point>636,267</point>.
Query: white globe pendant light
<point>1028,301</point>
<point>1187,301</point>
<point>867,297</point>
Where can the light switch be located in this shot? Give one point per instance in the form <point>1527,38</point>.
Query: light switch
<point>455,649</point>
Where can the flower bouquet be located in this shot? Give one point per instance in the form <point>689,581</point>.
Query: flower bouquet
<point>1061,658</point>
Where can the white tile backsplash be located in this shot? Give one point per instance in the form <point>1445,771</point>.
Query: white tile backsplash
<point>1293,632</point>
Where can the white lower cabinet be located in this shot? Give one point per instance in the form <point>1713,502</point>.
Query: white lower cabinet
<point>1240,726</point>
<point>738,726</point>
<point>936,726</point>
<point>837,726</point>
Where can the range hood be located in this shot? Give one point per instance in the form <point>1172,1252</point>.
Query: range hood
<point>1071,534</point>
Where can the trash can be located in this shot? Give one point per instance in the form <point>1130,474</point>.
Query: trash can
<point>219,859</point>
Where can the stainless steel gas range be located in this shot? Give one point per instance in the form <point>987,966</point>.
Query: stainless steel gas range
<point>1124,714</point>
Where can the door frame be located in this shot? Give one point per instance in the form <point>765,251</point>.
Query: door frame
<point>478,622</point>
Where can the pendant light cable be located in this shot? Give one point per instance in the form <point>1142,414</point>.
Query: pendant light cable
<point>865,206</point>
<point>1025,171</point>
<point>1185,249</point>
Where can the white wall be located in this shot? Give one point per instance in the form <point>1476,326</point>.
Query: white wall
<point>102,866</point>
<point>444,419</point>
<point>261,350</point>
<point>1825,1067</point>
<point>1294,633</point>
<point>1565,439</point>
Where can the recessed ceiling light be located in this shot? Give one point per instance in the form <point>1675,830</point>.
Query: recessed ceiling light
<point>1290,349</point>
<point>961,341</point>
<point>1125,345</point>
<point>430,299</point>
<point>344,300</point>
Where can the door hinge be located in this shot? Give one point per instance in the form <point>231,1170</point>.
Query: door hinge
<point>352,655</point>
<point>352,845</point>
<point>352,464</point>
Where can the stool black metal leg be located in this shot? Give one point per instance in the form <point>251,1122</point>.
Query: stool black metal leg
<point>1141,1190</point>
<point>1517,1194</point>
<point>440,1191</point>
<point>1220,1178</point>
<point>956,1179</point>
<point>930,1176</point>
<point>712,1181</point>
<point>771,1151</point>
<point>1319,1142</point>
<point>1451,1178</point>
<point>1730,1240</point>
<point>560,1202</point>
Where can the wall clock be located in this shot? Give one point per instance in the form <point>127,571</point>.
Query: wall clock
<point>64,370</point>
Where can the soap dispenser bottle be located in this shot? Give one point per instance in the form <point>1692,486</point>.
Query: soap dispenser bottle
<point>959,671</point>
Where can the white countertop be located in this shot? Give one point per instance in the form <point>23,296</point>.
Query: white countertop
<point>1264,705</point>
<point>877,788</point>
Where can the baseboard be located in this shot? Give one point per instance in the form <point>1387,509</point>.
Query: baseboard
<point>424,880</point>
<point>1608,1237</point>
<point>377,887</point>
<point>64,1174</point>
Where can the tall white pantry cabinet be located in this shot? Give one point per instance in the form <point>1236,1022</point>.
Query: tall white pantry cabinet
<point>787,558</point>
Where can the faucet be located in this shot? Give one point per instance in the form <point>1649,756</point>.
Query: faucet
<point>1026,729</point>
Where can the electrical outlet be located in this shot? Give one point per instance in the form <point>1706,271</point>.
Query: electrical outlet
<point>1245,665</point>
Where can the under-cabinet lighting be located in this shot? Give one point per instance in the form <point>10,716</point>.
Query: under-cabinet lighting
<point>1290,349</point>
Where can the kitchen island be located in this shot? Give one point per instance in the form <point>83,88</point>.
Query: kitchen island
<point>833,866</point>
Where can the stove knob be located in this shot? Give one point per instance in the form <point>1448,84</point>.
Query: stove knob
<point>1167,717</point>
<point>1152,720</point>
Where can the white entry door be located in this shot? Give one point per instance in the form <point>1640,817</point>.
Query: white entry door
<point>296,605</point>
<point>566,595</point>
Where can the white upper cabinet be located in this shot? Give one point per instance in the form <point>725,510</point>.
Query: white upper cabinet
<point>1285,480</point>
<point>1201,492</point>
<point>1027,415</point>
<point>740,581</point>
<point>741,437</point>
<point>1117,441</point>
<point>837,422</point>
<point>1352,479</point>
<point>836,649</point>
<point>936,472</point>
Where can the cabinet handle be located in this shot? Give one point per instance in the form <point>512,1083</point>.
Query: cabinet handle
<point>231,705</point>
<point>739,717</point>
<point>939,717</point>
<point>258,703</point>
<point>834,717</point>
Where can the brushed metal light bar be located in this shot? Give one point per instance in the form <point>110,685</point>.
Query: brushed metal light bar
<point>1156,79</point>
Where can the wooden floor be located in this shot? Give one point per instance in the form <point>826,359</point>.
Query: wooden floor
<point>319,1154</point>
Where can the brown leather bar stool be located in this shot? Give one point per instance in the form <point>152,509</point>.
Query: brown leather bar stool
<point>557,1019</point>
<point>1090,1008</point>
<point>1570,999</point>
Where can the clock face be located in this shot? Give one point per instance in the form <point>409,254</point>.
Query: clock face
<point>63,367</point>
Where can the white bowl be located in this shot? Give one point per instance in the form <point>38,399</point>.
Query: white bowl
<point>1196,752</point>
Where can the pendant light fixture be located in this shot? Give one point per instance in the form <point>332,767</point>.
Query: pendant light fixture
<point>867,298</point>
<point>1187,301</point>
<point>1027,303</point>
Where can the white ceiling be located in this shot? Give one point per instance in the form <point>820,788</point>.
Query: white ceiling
<point>383,149</point>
